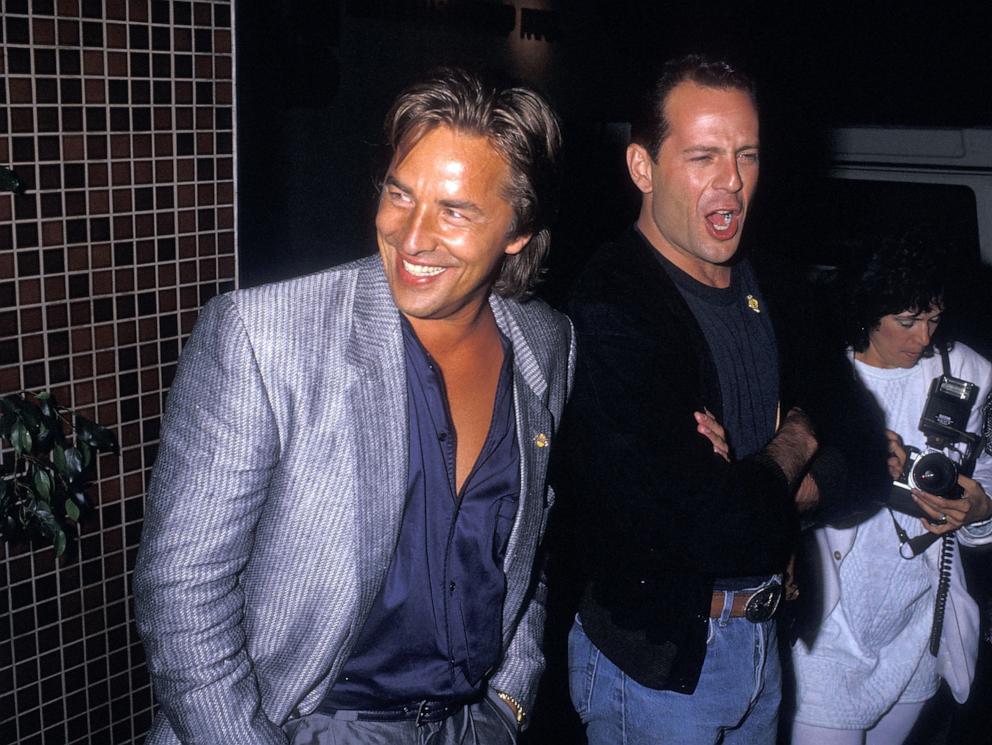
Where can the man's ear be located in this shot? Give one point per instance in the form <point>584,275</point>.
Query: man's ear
<point>517,244</point>
<point>639,166</point>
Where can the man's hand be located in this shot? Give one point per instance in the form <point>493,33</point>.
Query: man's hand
<point>950,514</point>
<point>807,495</point>
<point>793,446</point>
<point>712,430</point>
<point>897,454</point>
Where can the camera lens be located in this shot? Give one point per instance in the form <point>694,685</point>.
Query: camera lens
<point>935,473</point>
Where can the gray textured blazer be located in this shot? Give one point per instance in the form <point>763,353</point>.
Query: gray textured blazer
<point>275,504</point>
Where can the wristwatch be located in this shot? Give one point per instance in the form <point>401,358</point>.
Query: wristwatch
<point>515,707</point>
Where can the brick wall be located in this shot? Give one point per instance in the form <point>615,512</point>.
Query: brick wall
<point>118,116</point>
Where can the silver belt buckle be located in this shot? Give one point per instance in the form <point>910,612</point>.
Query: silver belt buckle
<point>422,711</point>
<point>761,606</point>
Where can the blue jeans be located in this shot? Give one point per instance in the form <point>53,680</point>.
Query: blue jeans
<point>736,700</point>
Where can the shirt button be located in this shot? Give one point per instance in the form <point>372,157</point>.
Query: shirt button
<point>442,436</point>
<point>837,555</point>
<point>451,587</point>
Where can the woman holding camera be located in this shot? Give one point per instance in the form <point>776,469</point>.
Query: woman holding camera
<point>880,648</point>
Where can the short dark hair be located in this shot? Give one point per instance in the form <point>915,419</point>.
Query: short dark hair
<point>650,126</point>
<point>905,272</point>
<point>521,126</point>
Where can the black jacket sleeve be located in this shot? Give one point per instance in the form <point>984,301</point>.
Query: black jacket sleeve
<point>648,485</point>
<point>850,466</point>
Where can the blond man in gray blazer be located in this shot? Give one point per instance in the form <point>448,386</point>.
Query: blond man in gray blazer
<point>336,549</point>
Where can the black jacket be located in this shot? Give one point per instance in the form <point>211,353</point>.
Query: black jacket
<point>657,515</point>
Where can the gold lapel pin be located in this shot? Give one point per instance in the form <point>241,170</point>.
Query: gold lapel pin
<point>753,304</point>
<point>541,440</point>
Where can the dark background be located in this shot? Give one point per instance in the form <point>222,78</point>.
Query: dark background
<point>316,78</point>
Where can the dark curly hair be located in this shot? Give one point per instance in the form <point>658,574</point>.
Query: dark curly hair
<point>906,272</point>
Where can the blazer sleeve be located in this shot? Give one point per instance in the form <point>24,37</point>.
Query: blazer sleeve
<point>219,446</point>
<point>523,662</point>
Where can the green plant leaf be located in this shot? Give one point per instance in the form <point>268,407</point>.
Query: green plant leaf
<point>42,512</point>
<point>71,510</point>
<point>45,471</point>
<point>42,483</point>
<point>85,452</point>
<point>7,419</point>
<point>73,463</point>
<point>44,437</point>
<point>58,459</point>
<point>6,496</point>
<point>11,403</point>
<point>104,439</point>
<point>59,542</point>
<point>30,414</point>
<point>47,404</point>
<point>84,428</point>
<point>20,438</point>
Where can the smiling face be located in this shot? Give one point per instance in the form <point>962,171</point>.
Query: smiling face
<point>900,338</point>
<point>697,191</point>
<point>443,225</point>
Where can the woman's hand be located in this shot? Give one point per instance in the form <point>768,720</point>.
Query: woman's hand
<point>712,430</point>
<point>897,454</point>
<point>950,514</point>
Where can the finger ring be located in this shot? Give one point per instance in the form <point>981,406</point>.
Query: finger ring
<point>942,519</point>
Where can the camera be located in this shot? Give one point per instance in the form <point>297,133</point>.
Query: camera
<point>943,422</point>
<point>945,415</point>
<point>930,471</point>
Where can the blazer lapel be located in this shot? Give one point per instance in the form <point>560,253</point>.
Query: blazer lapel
<point>378,403</point>
<point>534,431</point>
<point>381,443</point>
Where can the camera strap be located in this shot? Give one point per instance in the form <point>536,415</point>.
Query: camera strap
<point>916,545</point>
<point>973,443</point>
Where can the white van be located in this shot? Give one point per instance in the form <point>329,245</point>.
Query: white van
<point>897,174</point>
<point>882,179</point>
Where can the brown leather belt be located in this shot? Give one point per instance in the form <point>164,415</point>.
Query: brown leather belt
<point>754,605</point>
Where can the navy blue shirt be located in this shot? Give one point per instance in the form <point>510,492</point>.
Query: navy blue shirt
<point>741,339</point>
<point>435,629</point>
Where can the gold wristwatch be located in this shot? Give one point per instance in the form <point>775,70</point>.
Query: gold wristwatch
<point>518,710</point>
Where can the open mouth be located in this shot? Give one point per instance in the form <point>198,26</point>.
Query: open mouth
<point>721,220</point>
<point>724,224</point>
<point>421,270</point>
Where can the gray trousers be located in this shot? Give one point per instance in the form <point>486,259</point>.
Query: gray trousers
<point>481,723</point>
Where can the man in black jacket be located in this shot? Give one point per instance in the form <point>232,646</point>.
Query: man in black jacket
<point>696,434</point>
